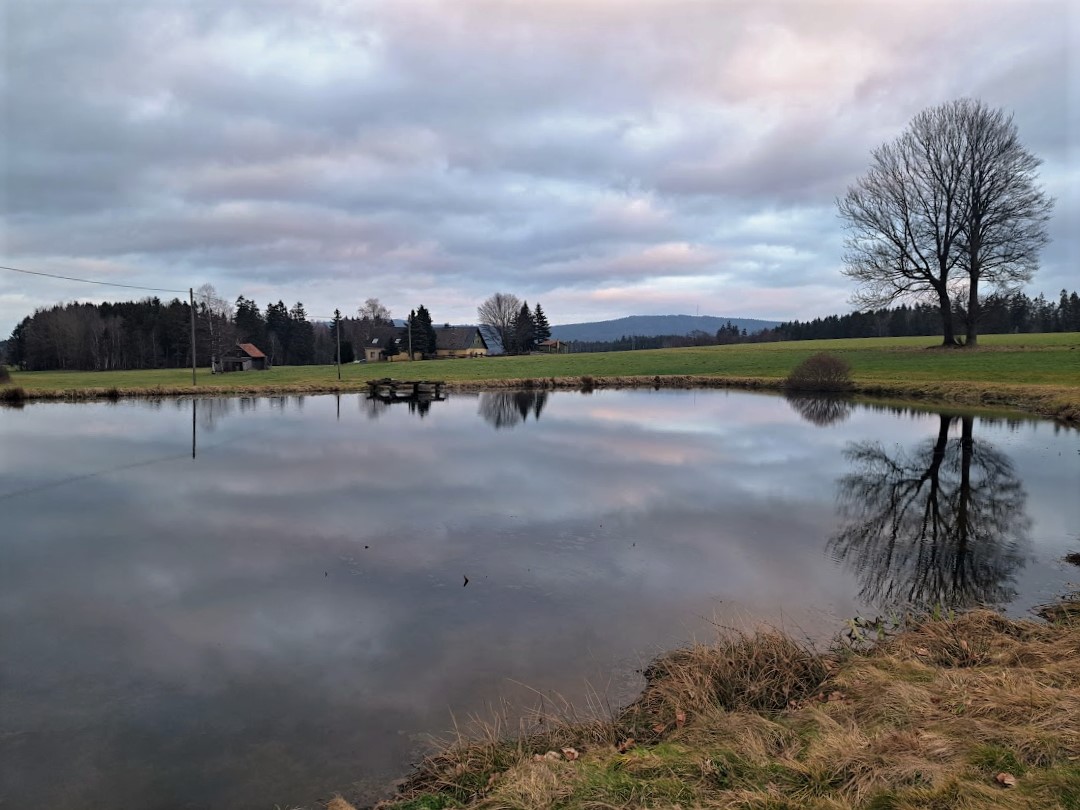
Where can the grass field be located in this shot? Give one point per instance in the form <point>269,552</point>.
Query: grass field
<point>1005,370</point>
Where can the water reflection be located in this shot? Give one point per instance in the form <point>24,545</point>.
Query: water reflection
<point>507,409</point>
<point>943,525</point>
<point>821,410</point>
<point>285,616</point>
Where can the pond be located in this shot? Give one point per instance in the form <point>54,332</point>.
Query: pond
<point>259,602</point>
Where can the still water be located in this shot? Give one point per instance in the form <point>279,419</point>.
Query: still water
<point>281,611</point>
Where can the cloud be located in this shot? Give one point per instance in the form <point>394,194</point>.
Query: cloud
<point>440,151</point>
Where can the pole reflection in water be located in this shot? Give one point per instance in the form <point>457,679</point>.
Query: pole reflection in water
<point>944,525</point>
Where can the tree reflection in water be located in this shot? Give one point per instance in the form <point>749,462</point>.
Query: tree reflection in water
<point>943,525</point>
<point>506,409</point>
<point>822,410</point>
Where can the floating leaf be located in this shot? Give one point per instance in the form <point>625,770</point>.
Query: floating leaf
<point>571,754</point>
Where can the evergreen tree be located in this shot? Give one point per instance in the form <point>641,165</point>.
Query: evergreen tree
<point>540,323</point>
<point>250,326</point>
<point>423,332</point>
<point>391,348</point>
<point>277,332</point>
<point>524,332</point>
<point>302,334</point>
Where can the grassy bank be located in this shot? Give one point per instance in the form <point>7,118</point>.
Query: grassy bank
<point>975,711</point>
<point>1037,373</point>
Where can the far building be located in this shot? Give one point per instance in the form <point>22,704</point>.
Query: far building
<point>242,357</point>
<point>384,343</point>
<point>460,341</point>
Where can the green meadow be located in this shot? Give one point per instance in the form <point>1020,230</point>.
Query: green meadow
<point>1035,359</point>
<point>1037,373</point>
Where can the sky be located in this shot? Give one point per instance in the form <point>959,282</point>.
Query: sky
<point>602,157</point>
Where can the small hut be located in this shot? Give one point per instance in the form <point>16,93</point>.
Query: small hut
<point>243,357</point>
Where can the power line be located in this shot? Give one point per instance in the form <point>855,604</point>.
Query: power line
<point>90,281</point>
<point>204,296</point>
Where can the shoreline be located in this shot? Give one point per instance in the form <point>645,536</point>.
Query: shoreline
<point>1058,403</point>
<point>972,710</point>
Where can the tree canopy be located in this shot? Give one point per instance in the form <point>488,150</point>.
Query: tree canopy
<point>950,203</point>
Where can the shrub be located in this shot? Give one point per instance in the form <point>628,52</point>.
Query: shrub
<point>820,372</point>
<point>5,375</point>
<point>12,396</point>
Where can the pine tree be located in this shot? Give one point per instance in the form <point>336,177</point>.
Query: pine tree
<point>423,332</point>
<point>541,325</point>
<point>302,343</point>
<point>277,332</point>
<point>250,326</point>
<point>524,331</point>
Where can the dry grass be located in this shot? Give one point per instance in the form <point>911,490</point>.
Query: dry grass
<point>929,718</point>
<point>12,396</point>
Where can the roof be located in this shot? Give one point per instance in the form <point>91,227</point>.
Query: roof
<point>382,335</point>
<point>456,338</point>
<point>250,350</point>
<point>491,338</point>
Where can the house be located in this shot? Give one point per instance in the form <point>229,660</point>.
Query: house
<point>377,341</point>
<point>243,357</point>
<point>459,341</point>
<point>551,346</point>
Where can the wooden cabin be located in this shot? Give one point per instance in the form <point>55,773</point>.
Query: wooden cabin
<point>243,357</point>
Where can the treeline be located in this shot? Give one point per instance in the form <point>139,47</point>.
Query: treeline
<point>998,314</point>
<point>152,333</point>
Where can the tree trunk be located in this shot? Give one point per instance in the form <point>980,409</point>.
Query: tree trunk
<point>947,331</point>
<point>973,313</point>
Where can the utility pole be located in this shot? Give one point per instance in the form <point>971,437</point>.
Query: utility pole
<point>191,301</point>
<point>337,332</point>
<point>410,336</point>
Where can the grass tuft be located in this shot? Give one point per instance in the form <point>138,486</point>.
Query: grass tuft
<point>14,396</point>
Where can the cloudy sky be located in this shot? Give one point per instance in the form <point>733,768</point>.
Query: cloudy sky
<point>605,157</point>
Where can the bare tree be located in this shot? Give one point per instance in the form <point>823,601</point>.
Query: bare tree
<point>374,311</point>
<point>904,218</point>
<point>1005,211</point>
<point>218,312</point>
<point>500,312</point>
<point>371,314</point>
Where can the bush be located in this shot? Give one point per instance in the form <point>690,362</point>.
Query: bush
<point>5,375</point>
<point>12,396</point>
<point>820,372</point>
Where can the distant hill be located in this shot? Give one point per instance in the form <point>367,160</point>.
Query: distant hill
<point>653,325</point>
